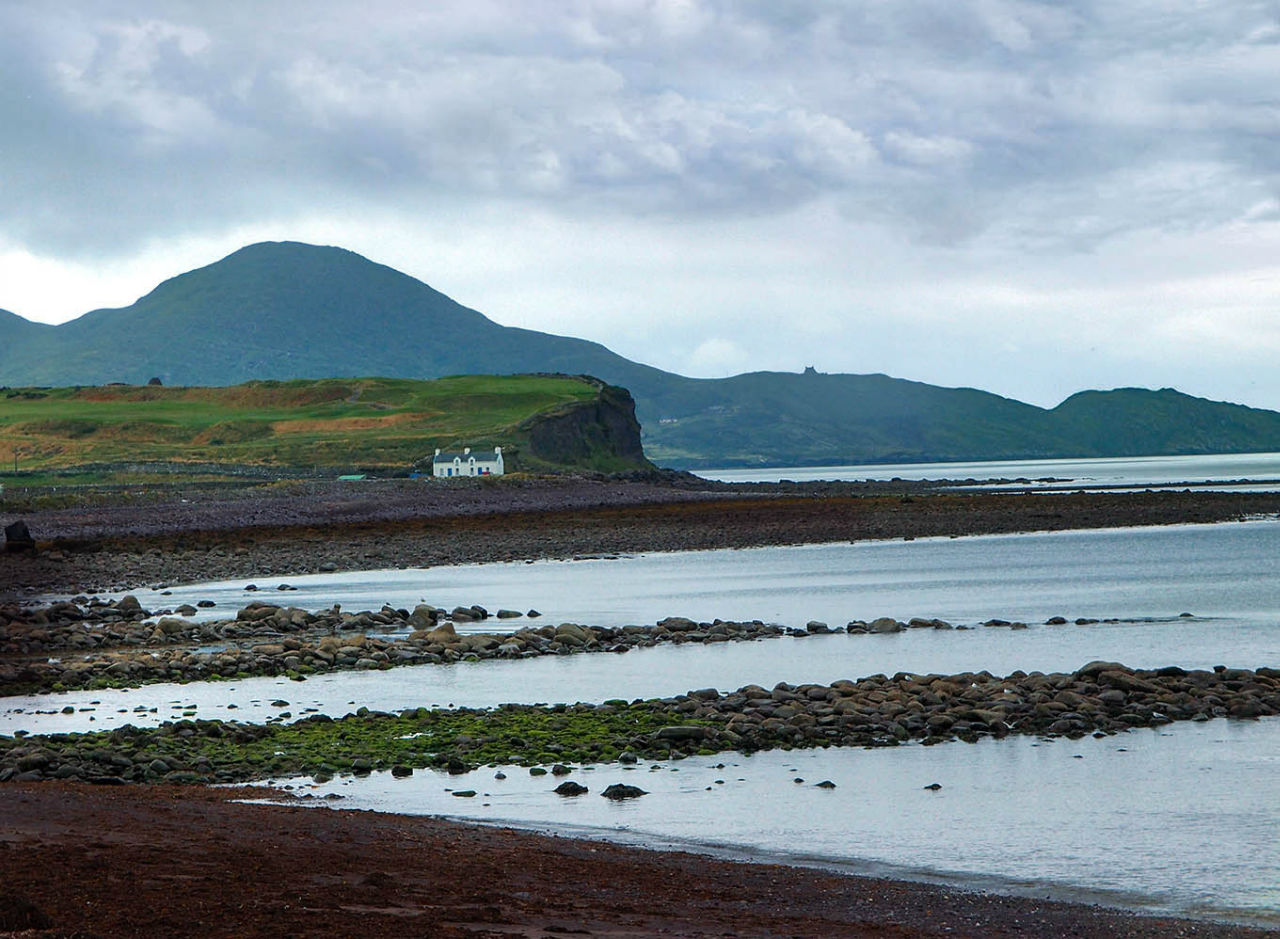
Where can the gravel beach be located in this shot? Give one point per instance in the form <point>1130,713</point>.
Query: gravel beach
<point>79,860</point>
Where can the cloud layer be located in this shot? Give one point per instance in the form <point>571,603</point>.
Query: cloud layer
<point>988,171</point>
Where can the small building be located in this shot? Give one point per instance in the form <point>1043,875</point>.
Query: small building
<point>467,463</point>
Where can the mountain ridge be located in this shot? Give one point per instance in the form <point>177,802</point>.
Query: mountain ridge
<point>281,310</point>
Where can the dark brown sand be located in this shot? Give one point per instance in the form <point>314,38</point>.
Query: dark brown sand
<point>155,861</point>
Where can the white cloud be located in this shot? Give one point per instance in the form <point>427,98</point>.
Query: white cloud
<point>1015,194</point>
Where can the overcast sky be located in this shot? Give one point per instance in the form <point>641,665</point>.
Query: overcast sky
<point>1031,198</point>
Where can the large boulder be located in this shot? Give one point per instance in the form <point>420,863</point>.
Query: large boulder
<point>884,624</point>
<point>619,791</point>
<point>424,616</point>
<point>17,537</point>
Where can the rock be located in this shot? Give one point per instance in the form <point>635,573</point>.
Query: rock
<point>1098,667</point>
<point>465,793</point>
<point>172,626</point>
<point>19,915</point>
<point>560,769</point>
<point>424,616</point>
<point>627,758</point>
<point>400,771</point>
<point>532,614</point>
<point>682,733</point>
<point>572,632</point>
<point>129,605</point>
<point>570,788</point>
<point>444,633</point>
<point>509,614</point>
<point>619,791</point>
<point>1056,621</point>
<point>884,624</point>
<point>825,784</point>
<point>933,787</point>
<point>17,537</point>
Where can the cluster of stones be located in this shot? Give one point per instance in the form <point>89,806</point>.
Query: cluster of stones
<point>265,639</point>
<point>1101,698</point>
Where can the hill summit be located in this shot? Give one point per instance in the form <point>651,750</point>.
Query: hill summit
<point>276,311</point>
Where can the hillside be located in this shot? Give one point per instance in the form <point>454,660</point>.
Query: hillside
<point>286,310</point>
<point>542,422</point>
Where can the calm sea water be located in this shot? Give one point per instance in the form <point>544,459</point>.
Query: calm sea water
<point>1182,819</point>
<point>1229,572</point>
<point>1074,473</point>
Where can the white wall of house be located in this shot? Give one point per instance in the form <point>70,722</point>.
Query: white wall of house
<point>467,463</point>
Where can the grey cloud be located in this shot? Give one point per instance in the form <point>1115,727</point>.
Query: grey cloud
<point>1017,121</point>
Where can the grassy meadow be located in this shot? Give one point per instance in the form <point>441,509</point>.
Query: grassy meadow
<point>366,422</point>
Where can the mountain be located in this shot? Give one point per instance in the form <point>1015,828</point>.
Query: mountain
<point>289,310</point>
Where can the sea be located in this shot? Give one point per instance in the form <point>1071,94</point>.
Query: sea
<point>1184,818</point>
<point>1241,471</point>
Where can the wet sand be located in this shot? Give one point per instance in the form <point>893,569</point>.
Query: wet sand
<point>158,861</point>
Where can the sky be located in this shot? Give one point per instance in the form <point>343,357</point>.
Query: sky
<point>1032,198</point>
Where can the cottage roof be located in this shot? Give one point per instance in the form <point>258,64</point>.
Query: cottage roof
<point>480,456</point>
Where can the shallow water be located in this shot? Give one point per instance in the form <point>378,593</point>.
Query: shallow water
<point>1229,570</point>
<point>655,672</point>
<point>1228,575</point>
<point>1116,471</point>
<point>1180,819</point>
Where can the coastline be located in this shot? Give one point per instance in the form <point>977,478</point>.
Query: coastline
<point>321,528</point>
<point>163,861</point>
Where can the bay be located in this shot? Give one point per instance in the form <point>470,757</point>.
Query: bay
<point>1149,471</point>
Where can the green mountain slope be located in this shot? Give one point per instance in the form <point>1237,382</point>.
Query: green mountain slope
<point>288,310</point>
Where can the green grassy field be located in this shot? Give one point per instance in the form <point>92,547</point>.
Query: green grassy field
<point>366,422</point>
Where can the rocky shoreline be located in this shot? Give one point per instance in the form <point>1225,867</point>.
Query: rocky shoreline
<point>401,523</point>
<point>70,828</point>
<point>1101,698</point>
<point>95,644</point>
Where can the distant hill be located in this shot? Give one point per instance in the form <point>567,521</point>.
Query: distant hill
<point>542,422</point>
<point>288,310</point>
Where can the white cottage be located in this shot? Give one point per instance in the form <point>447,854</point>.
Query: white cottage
<point>467,463</point>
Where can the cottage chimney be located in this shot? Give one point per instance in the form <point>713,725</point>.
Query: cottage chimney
<point>437,451</point>
<point>466,450</point>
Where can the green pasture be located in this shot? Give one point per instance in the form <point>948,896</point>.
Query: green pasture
<point>366,421</point>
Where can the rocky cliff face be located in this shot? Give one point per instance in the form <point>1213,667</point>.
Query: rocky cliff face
<point>601,435</point>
